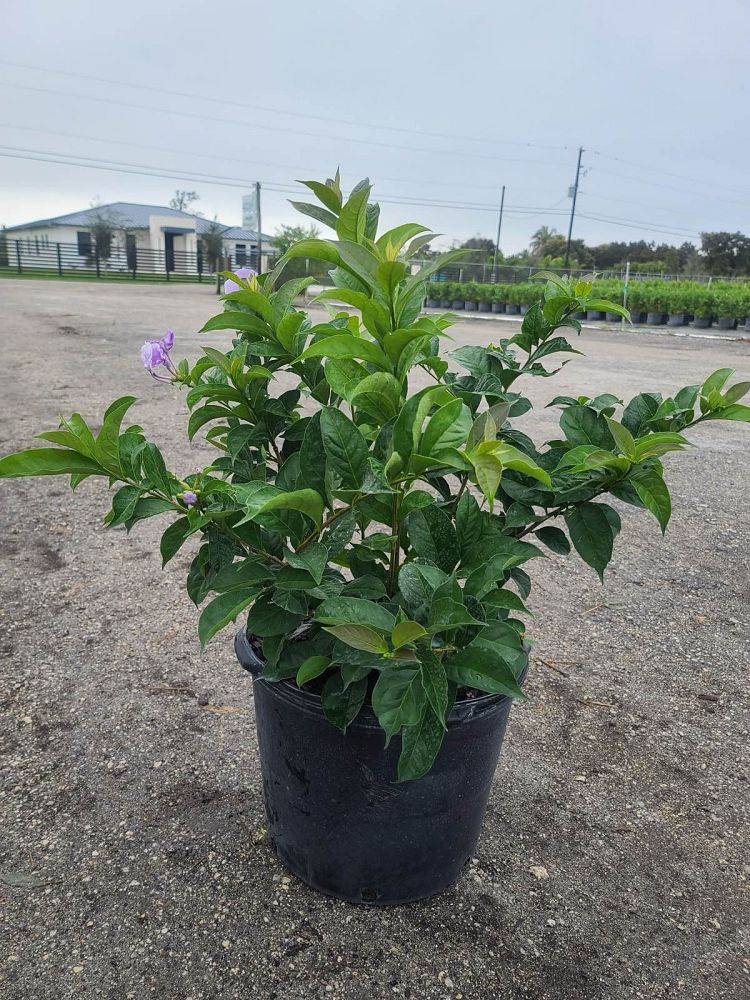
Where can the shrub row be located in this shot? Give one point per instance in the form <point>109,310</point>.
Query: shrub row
<point>719,300</point>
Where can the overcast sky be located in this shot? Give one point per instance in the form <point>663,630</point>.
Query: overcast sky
<point>435,101</point>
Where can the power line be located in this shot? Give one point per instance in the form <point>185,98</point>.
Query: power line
<point>666,173</point>
<point>224,158</point>
<point>241,183</point>
<point>228,102</point>
<point>668,187</point>
<point>275,128</point>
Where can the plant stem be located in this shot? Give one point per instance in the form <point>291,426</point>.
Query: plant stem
<point>395,544</point>
<point>329,520</point>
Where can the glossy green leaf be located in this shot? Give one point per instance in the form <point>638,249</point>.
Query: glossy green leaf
<point>346,448</point>
<point>591,535</point>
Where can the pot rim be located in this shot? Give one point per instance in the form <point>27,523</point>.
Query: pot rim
<point>307,701</point>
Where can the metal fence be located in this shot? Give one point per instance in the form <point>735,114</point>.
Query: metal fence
<point>487,274</point>
<point>34,257</point>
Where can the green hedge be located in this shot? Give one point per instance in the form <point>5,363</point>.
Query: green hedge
<point>720,298</point>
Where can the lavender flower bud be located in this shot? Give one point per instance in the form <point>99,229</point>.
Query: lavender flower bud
<point>242,272</point>
<point>189,498</point>
<point>167,340</point>
<point>153,354</point>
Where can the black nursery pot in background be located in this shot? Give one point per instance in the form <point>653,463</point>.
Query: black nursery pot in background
<point>338,818</point>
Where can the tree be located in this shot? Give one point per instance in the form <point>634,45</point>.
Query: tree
<point>285,236</point>
<point>182,200</point>
<point>479,243</point>
<point>726,253</point>
<point>212,245</point>
<point>539,240</point>
<point>103,226</point>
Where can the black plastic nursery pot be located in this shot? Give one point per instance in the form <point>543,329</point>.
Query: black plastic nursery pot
<point>445,303</point>
<point>470,306</point>
<point>613,317</point>
<point>596,314</point>
<point>511,308</point>
<point>635,316</point>
<point>432,303</point>
<point>701,322</point>
<point>498,307</point>
<point>337,816</point>
<point>457,304</point>
<point>654,318</point>
<point>726,322</point>
<point>676,319</point>
<point>485,307</point>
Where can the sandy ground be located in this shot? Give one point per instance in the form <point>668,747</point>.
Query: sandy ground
<point>612,863</point>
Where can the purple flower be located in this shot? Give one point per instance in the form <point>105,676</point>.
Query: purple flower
<point>189,498</point>
<point>167,340</point>
<point>242,272</point>
<point>153,355</point>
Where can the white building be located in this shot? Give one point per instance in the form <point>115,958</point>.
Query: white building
<point>150,238</point>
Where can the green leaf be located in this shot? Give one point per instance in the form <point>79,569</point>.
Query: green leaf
<point>353,215</point>
<point>313,667</point>
<point>432,535</point>
<point>622,436</point>
<point>341,704</point>
<point>345,446</point>
<point>482,666</point>
<point>108,438</point>
<point>359,637</point>
<point>379,395</point>
<point>154,469</point>
<point>591,535</point>
<point>356,611</point>
<point>240,574</point>
<point>734,412</point>
<point>434,682</point>
<point>243,321</point>
<point>446,428</point>
<point>174,537</point>
<point>488,471</point>
<point>48,462</point>
<point>405,632</point>
<point>419,745</point>
<point>417,582</point>
<point>716,380</point>
<point>325,193</point>
<point>345,345</point>
<point>652,490</point>
<point>312,457</point>
<point>315,212</point>
<point>554,538</point>
<point>506,553</point>
<point>306,501</point>
<point>312,558</point>
<point>581,425</point>
<point>507,599</point>
<point>639,411</point>
<point>221,611</point>
<point>468,524</point>
<point>398,698</point>
<point>268,619</point>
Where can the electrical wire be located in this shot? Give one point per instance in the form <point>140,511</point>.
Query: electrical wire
<point>277,128</point>
<point>229,102</point>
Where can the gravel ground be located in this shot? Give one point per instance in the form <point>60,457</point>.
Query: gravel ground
<point>612,860</point>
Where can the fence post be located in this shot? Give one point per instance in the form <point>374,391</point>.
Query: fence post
<point>135,261</point>
<point>200,266</point>
<point>59,260</point>
<point>18,257</point>
<point>96,261</point>
<point>166,263</point>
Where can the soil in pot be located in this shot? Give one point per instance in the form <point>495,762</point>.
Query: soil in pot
<point>654,319</point>
<point>338,818</point>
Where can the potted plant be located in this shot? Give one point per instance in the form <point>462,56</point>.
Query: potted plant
<point>457,295</point>
<point>499,297</point>
<point>433,295</point>
<point>374,537</point>
<point>702,303</point>
<point>728,305</point>
<point>471,296</point>
<point>635,301</point>
<point>485,298</point>
<point>677,304</point>
<point>656,303</point>
<point>512,300</point>
<point>446,294</point>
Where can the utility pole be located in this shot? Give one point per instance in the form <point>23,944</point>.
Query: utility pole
<point>260,229</point>
<point>499,227</point>
<point>573,207</point>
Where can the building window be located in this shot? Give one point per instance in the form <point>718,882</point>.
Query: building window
<point>84,244</point>
<point>240,254</point>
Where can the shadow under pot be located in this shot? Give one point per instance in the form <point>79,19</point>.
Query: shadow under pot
<point>337,816</point>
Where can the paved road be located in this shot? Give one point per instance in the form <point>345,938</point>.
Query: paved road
<point>612,859</point>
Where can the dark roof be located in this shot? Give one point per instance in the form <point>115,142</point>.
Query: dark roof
<point>131,215</point>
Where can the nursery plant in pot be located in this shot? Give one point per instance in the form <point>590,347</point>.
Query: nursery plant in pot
<point>728,305</point>
<point>512,305</point>
<point>485,298</point>
<point>702,304</point>
<point>499,296</point>
<point>432,300</point>
<point>370,518</point>
<point>471,296</point>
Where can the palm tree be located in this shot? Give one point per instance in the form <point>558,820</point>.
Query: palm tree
<point>539,239</point>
